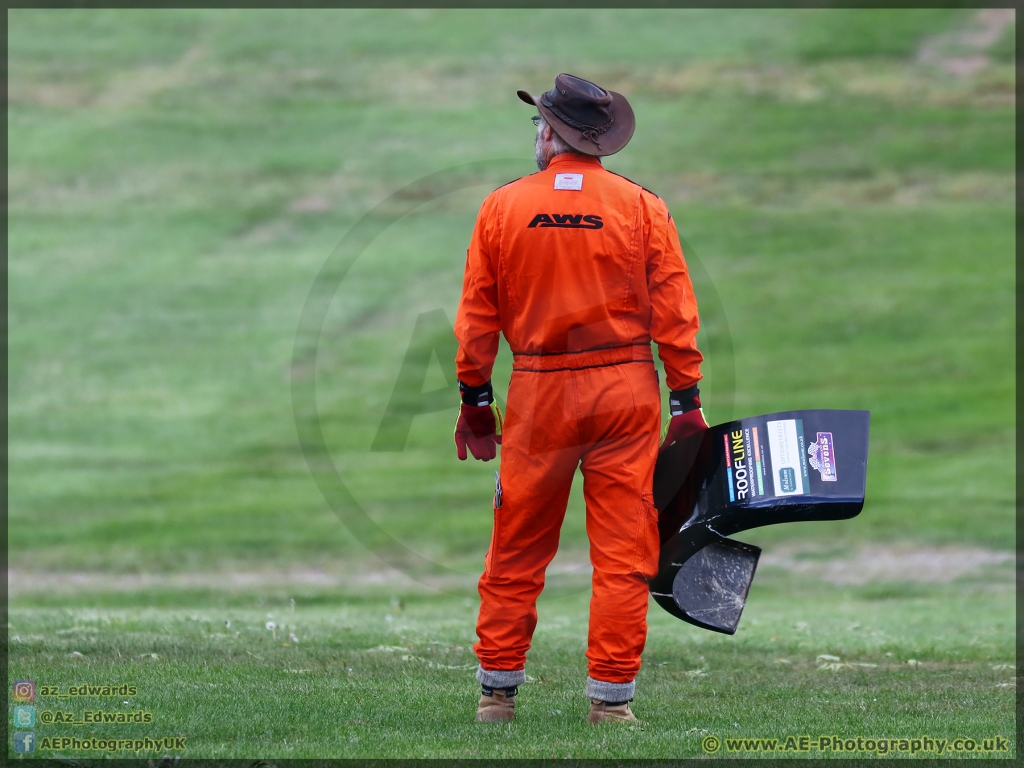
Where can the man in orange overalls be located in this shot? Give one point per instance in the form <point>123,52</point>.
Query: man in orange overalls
<point>580,269</point>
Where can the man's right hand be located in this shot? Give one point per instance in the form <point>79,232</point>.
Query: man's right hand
<point>682,426</point>
<point>687,417</point>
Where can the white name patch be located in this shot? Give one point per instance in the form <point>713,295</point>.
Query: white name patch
<point>569,181</point>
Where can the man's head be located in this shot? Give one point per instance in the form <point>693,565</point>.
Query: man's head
<point>549,144</point>
<point>584,116</point>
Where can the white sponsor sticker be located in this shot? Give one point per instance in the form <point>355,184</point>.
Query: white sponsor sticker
<point>787,473</point>
<point>569,181</point>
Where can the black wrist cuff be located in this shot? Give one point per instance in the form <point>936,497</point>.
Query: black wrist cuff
<point>483,395</point>
<point>683,400</point>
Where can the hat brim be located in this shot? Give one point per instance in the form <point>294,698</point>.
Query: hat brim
<point>609,142</point>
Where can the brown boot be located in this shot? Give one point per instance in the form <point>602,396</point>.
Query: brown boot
<point>603,712</point>
<point>496,708</point>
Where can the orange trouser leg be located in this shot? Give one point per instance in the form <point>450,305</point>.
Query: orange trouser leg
<point>622,523</point>
<point>539,454</point>
<point>608,416</point>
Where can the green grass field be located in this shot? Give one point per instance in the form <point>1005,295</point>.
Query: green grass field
<point>844,184</point>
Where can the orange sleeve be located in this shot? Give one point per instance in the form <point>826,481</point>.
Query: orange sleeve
<point>477,323</point>
<point>674,320</point>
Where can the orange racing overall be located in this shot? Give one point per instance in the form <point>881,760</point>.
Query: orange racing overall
<point>580,269</point>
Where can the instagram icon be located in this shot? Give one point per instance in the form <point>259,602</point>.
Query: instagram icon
<point>24,690</point>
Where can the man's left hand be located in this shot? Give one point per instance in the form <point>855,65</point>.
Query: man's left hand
<point>479,428</point>
<point>480,423</point>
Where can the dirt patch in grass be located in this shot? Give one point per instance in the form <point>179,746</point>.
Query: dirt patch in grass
<point>868,564</point>
<point>963,53</point>
<point>883,562</point>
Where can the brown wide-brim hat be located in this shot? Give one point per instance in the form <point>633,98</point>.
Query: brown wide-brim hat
<point>585,116</point>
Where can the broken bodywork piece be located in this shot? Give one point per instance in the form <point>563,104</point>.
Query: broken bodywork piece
<point>779,468</point>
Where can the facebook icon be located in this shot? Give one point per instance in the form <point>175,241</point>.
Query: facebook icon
<point>24,741</point>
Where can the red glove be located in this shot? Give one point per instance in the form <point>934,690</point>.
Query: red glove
<point>682,426</point>
<point>687,417</point>
<point>479,426</point>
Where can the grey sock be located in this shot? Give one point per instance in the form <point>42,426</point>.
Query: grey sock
<point>602,691</point>
<point>500,678</point>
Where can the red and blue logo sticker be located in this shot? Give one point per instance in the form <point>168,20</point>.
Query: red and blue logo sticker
<point>822,456</point>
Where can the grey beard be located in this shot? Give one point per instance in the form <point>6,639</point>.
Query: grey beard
<point>542,153</point>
